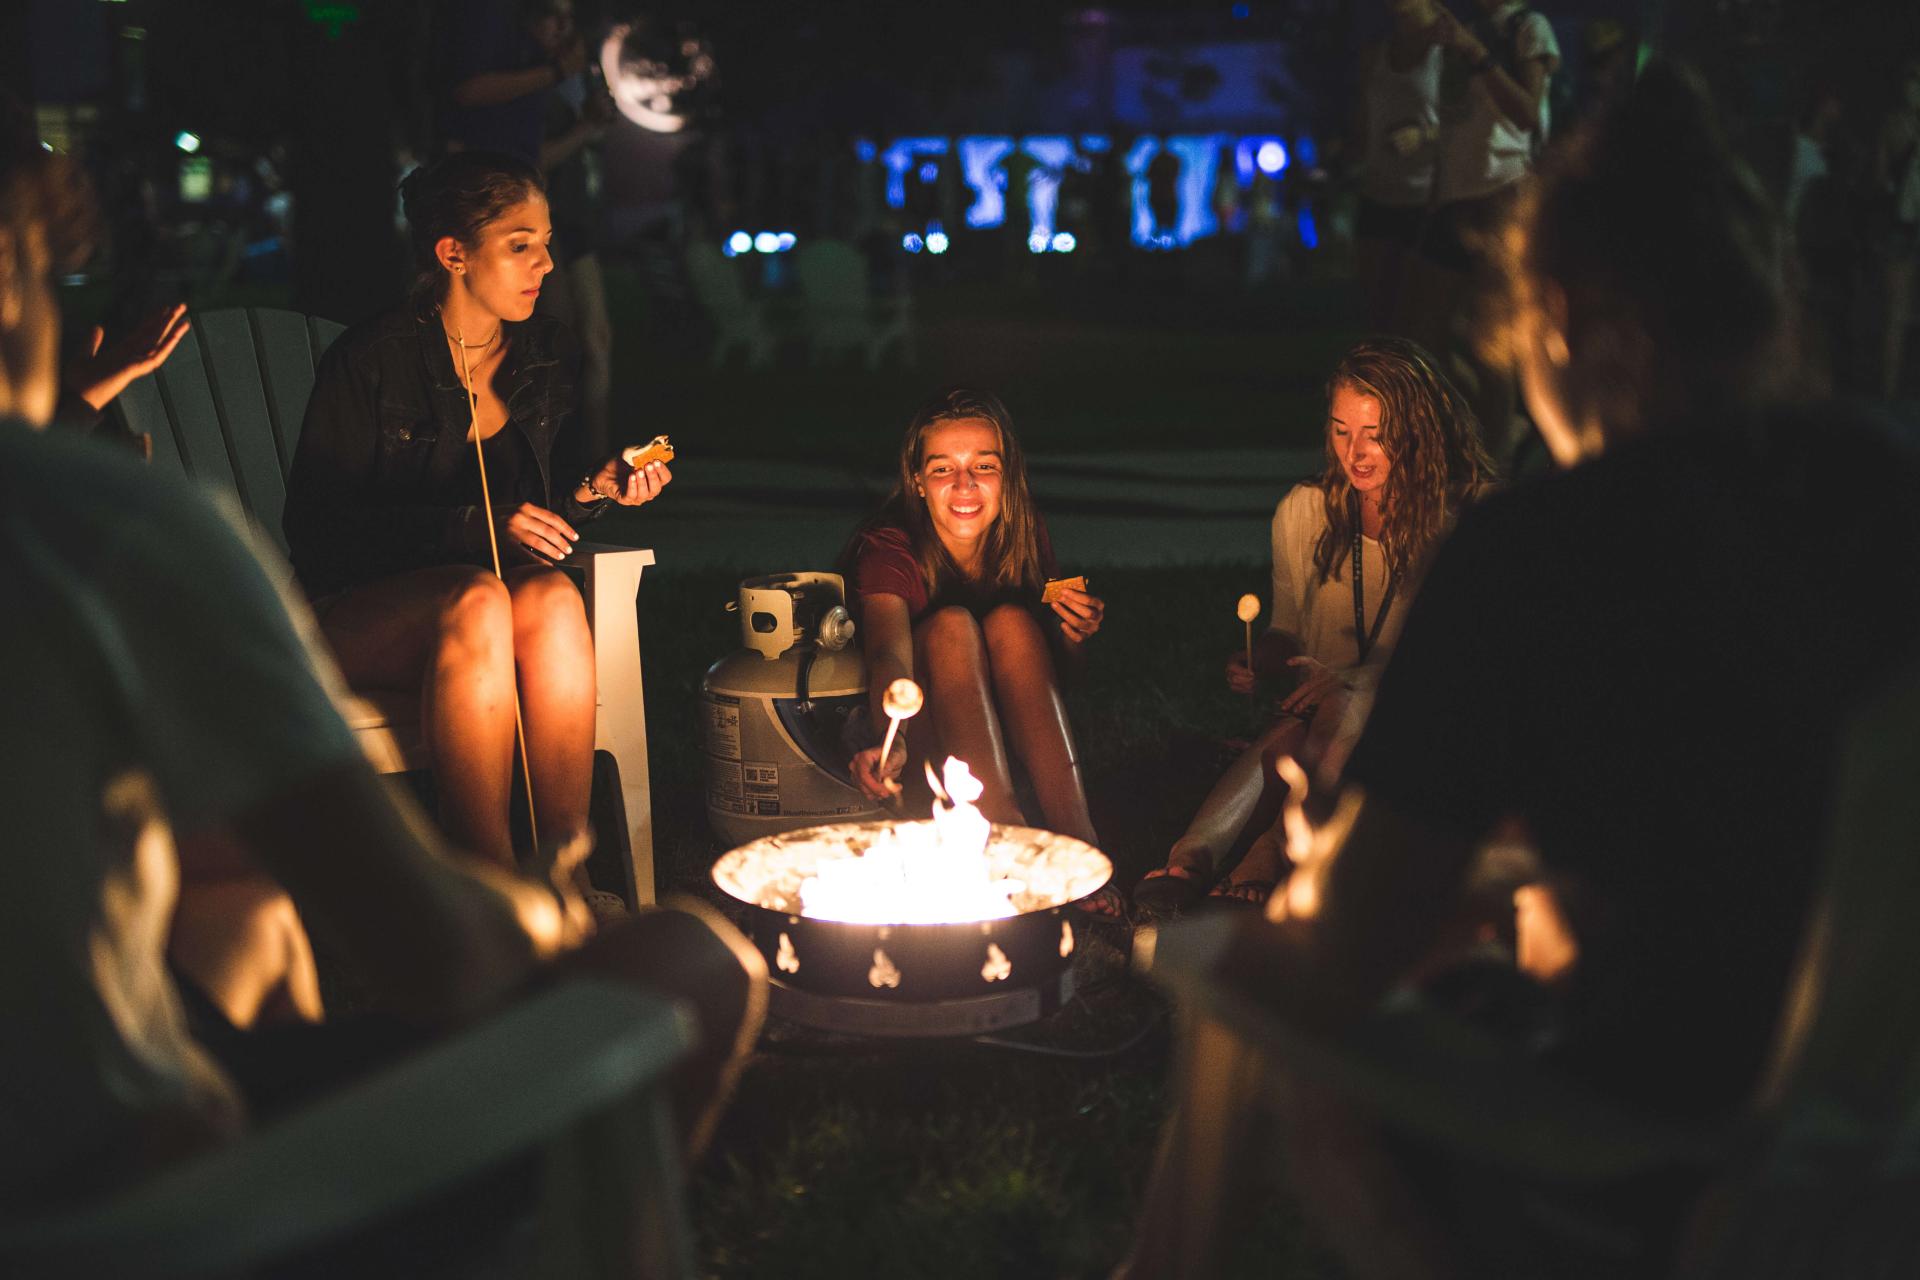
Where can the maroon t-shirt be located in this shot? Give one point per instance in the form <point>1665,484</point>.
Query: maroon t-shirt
<point>884,564</point>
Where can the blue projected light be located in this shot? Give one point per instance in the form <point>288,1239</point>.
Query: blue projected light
<point>864,151</point>
<point>1242,12</point>
<point>766,242</point>
<point>786,241</point>
<point>739,242</point>
<point>1309,230</point>
<point>982,165</point>
<point>1063,242</point>
<point>905,154</point>
<point>982,168</point>
<point>1043,184</point>
<point>936,242</point>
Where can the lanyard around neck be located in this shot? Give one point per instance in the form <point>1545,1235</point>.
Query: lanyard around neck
<point>1363,635</point>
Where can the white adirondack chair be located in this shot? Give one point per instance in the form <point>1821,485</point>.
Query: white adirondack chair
<point>738,320</point>
<point>227,410</point>
<point>841,312</point>
<point>575,1075</point>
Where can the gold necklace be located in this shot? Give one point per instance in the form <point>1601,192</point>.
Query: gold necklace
<point>460,341</point>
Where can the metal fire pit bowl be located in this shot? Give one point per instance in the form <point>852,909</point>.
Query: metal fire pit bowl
<point>913,979</point>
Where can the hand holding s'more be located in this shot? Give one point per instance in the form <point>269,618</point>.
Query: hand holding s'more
<point>635,475</point>
<point>1080,611</point>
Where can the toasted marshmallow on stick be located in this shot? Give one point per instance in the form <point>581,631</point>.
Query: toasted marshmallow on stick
<point>901,701</point>
<point>1248,609</point>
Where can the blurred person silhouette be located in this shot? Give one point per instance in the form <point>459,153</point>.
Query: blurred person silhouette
<point>1896,186</point>
<point>137,993</point>
<point>499,62</point>
<point>1705,546</point>
<point>579,111</point>
<point>1494,118</point>
<point>1395,130</point>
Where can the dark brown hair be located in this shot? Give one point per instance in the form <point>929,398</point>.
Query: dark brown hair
<point>458,195</point>
<point>1012,551</point>
<point>1432,442</point>
<point>1667,254</point>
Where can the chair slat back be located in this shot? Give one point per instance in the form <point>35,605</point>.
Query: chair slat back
<point>226,409</point>
<point>188,395</point>
<point>244,416</point>
<point>146,415</point>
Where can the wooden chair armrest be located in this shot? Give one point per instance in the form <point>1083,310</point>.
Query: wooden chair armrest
<point>453,1110</point>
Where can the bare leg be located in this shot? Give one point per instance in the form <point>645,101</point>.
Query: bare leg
<point>950,655</point>
<point>1035,719</point>
<point>449,633</point>
<point>553,652</point>
<point>691,955</point>
<point>241,941</point>
<point>1233,803</point>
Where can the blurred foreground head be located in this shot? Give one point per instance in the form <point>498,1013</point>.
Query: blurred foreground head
<point>1644,275</point>
<point>46,225</point>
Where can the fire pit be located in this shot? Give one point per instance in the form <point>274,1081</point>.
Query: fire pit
<point>944,927</point>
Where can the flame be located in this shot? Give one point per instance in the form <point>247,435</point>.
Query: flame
<point>786,960</point>
<point>997,968</point>
<point>919,873</point>
<point>1066,938</point>
<point>883,974</point>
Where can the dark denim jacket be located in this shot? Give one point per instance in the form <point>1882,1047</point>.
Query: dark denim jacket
<point>384,447</point>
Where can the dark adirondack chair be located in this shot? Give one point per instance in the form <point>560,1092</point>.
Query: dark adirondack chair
<point>573,1077</point>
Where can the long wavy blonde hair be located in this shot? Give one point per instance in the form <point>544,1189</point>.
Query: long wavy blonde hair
<point>1432,443</point>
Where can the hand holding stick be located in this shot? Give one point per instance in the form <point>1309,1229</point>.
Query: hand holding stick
<point>903,701</point>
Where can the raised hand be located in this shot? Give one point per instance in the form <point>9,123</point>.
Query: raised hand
<point>102,374</point>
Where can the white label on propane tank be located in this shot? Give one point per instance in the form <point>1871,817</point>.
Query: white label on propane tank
<point>723,787</point>
<point>723,730</point>
<point>760,777</point>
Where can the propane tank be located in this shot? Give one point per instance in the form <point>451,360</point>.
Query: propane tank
<point>775,712</point>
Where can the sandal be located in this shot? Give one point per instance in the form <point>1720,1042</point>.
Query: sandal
<point>1105,903</point>
<point>1165,892</point>
<point>1242,893</point>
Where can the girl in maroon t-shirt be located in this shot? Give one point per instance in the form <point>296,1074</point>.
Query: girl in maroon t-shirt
<point>947,578</point>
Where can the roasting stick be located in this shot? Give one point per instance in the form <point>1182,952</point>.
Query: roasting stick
<point>493,545</point>
<point>1249,609</point>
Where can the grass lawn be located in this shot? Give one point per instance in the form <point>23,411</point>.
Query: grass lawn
<point>953,1159</point>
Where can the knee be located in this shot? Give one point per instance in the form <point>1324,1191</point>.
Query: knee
<point>476,613</point>
<point>1009,627</point>
<point>545,602</point>
<point>952,633</point>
